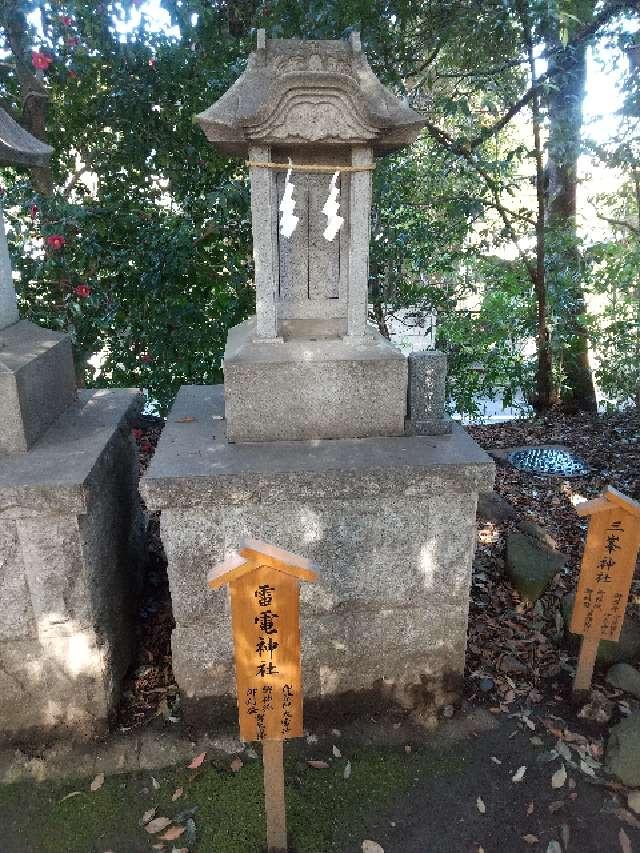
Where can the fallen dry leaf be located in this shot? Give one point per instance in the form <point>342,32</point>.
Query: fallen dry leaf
<point>627,817</point>
<point>633,801</point>
<point>480,805</point>
<point>69,795</point>
<point>197,761</point>
<point>625,844</point>
<point>155,783</point>
<point>157,825</point>
<point>336,752</point>
<point>530,808</point>
<point>236,765</point>
<point>318,765</point>
<point>98,782</point>
<point>518,776</point>
<point>186,420</point>
<point>172,833</point>
<point>177,794</point>
<point>371,847</point>
<point>559,777</point>
<point>530,839</point>
<point>347,770</point>
<point>146,817</point>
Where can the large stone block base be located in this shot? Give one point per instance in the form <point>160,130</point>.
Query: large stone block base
<point>390,521</point>
<point>70,557</point>
<point>306,388</point>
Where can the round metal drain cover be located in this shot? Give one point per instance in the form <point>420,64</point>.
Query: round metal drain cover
<point>550,461</point>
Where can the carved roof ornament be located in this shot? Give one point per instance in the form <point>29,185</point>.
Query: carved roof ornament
<point>297,92</point>
<point>18,147</point>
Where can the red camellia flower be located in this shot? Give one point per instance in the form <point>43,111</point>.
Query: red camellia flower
<point>34,211</point>
<point>152,63</point>
<point>145,358</point>
<point>136,432</point>
<point>72,41</point>
<point>73,74</point>
<point>40,60</point>
<point>82,290</point>
<point>65,20</point>
<point>55,241</point>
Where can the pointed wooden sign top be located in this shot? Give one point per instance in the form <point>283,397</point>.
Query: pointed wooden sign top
<point>608,564</point>
<point>253,551</point>
<point>264,582</point>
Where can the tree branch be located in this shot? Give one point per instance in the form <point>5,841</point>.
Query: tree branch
<point>459,146</point>
<point>621,223</point>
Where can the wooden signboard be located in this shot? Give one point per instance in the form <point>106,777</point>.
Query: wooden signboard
<point>608,564</point>
<point>264,582</point>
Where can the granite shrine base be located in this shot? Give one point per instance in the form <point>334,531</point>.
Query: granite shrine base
<point>390,521</point>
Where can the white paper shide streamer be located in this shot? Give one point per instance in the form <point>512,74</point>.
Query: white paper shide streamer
<point>288,222</point>
<point>331,208</point>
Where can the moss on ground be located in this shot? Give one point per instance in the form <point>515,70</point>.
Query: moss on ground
<point>326,812</point>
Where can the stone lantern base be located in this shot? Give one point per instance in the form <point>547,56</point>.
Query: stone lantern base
<point>312,387</point>
<point>390,521</point>
<point>70,568</point>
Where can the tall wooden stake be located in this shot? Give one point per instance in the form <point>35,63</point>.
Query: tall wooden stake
<point>264,582</point>
<point>606,572</point>
<point>586,662</point>
<point>272,758</point>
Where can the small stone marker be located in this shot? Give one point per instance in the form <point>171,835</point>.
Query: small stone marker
<point>264,582</point>
<point>608,563</point>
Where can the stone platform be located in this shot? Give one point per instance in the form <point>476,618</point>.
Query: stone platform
<point>390,521</point>
<point>70,557</point>
<point>312,388</point>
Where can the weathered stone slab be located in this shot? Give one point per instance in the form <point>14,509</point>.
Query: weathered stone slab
<point>37,382</point>
<point>70,524</point>
<point>427,393</point>
<point>390,521</point>
<point>196,467</point>
<point>303,389</point>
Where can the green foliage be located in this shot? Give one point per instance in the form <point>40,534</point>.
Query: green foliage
<point>615,332</point>
<point>162,236</point>
<point>157,224</point>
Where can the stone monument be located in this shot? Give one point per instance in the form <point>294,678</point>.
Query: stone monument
<point>69,519</point>
<point>315,443</point>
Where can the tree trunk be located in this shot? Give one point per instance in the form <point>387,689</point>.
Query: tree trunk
<point>564,263</point>
<point>544,393</point>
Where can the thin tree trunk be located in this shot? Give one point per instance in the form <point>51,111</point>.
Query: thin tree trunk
<point>636,183</point>
<point>564,264</point>
<point>544,396</point>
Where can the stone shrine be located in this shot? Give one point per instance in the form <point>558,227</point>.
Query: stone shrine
<point>69,520</point>
<point>315,443</point>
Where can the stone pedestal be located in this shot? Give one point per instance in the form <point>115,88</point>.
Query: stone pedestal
<point>389,520</point>
<point>306,388</point>
<point>37,382</point>
<point>70,537</point>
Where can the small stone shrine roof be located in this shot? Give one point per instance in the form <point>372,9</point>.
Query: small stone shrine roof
<point>18,147</point>
<point>309,92</point>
